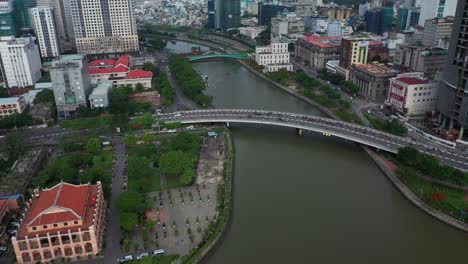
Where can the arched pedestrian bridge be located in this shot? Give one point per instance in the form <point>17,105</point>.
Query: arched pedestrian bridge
<point>240,56</point>
<point>330,127</point>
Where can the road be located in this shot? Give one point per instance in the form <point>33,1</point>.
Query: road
<point>328,127</point>
<point>114,234</point>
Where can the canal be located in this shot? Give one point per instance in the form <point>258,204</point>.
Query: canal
<point>314,199</point>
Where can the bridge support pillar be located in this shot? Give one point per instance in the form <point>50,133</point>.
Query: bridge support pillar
<point>227,124</point>
<point>299,131</point>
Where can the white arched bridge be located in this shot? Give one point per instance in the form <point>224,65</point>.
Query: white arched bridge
<point>330,127</point>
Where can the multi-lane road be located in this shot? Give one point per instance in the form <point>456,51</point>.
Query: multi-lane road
<point>329,127</point>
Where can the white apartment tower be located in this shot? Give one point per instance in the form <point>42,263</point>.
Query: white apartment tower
<point>436,8</point>
<point>103,26</point>
<point>21,61</point>
<point>43,24</point>
<point>65,37</point>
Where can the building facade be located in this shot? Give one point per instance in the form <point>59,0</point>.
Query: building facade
<point>100,95</point>
<point>407,17</point>
<point>225,14</point>
<point>64,221</point>
<point>285,24</point>
<point>21,61</point>
<point>453,102</point>
<point>437,32</point>
<point>412,94</point>
<point>418,58</point>
<point>316,24</point>
<point>101,27</point>
<point>273,57</point>
<point>372,80</point>
<point>71,83</point>
<point>12,105</point>
<point>8,22</point>
<point>354,50</point>
<point>315,52</point>
<point>266,11</point>
<point>334,29</point>
<point>334,12</point>
<point>64,31</point>
<point>437,9</point>
<point>43,24</point>
<point>306,7</point>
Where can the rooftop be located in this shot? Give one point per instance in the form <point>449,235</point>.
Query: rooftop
<point>411,80</point>
<point>376,69</point>
<point>324,41</point>
<point>136,74</point>
<point>108,66</point>
<point>102,89</point>
<point>71,57</point>
<point>9,100</point>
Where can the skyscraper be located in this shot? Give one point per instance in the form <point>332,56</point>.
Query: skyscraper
<point>268,10</point>
<point>65,37</point>
<point>407,17</point>
<point>8,24</point>
<point>453,99</point>
<point>224,14</point>
<point>436,8</point>
<point>103,26</point>
<point>43,24</point>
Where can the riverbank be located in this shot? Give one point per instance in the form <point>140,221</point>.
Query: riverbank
<point>409,195</point>
<point>404,190</point>
<point>226,198</point>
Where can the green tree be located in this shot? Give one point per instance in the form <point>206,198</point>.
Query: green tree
<point>44,96</point>
<point>139,88</point>
<point>187,177</point>
<point>149,224</point>
<point>128,220</point>
<point>130,140</point>
<point>145,121</point>
<point>130,201</point>
<point>174,162</point>
<point>93,145</point>
<point>408,155</point>
<point>148,138</point>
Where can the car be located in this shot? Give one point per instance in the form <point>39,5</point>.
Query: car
<point>15,223</point>
<point>158,252</point>
<point>126,258</point>
<point>172,131</point>
<point>190,127</point>
<point>177,115</point>
<point>142,255</point>
<point>3,249</point>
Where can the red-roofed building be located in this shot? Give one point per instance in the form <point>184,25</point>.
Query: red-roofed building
<point>377,51</point>
<point>63,221</point>
<point>412,94</point>
<point>316,51</point>
<point>117,72</point>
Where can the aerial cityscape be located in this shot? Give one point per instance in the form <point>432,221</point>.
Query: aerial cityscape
<point>233,131</point>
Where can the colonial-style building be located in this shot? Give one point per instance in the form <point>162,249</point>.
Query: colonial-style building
<point>65,221</point>
<point>315,51</point>
<point>372,80</point>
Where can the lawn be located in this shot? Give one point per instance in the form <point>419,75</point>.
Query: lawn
<point>91,122</point>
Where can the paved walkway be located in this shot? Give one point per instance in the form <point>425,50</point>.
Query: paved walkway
<point>114,234</point>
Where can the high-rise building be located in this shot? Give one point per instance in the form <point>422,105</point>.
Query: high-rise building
<point>437,8</point>
<point>373,19</point>
<point>224,14</point>
<point>21,62</point>
<point>453,100</point>
<point>437,32</point>
<point>386,19</point>
<point>334,28</point>
<point>316,24</point>
<point>64,31</point>
<point>407,17</point>
<point>43,24</point>
<point>307,7</point>
<point>8,23</point>
<point>22,15</point>
<point>71,83</point>
<point>334,12</point>
<point>354,51</point>
<point>266,11</point>
<point>102,26</point>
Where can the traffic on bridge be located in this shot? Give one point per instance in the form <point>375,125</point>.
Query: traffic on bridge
<point>364,135</point>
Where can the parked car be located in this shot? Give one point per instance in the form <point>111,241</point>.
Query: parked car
<point>126,258</point>
<point>142,255</point>
<point>158,252</point>
<point>3,249</point>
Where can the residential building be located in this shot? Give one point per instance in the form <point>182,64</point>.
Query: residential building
<point>354,50</point>
<point>417,58</point>
<point>21,61</point>
<point>43,24</point>
<point>273,57</point>
<point>64,31</point>
<point>437,9</point>
<point>317,24</point>
<point>8,22</point>
<point>251,32</point>
<point>412,94</point>
<point>11,105</point>
<point>453,102</point>
<point>66,220</point>
<point>225,14</point>
<point>71,83</point>
<point>377,51</point>
<point>407,17</point>
<point>117,72</point>
<point>100,95</point>
<point>286,24</point>
<point>334,29</point>
<point>103,26</point>
<point>266,11</point>
<point>334,12</point>
<point>306,7</point>
<point>21,8</point>
<point>314,51</point>
<point>437,32</point>
<point>372,80</point>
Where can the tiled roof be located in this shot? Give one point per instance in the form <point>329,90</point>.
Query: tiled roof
<point>63,202</point>
<point>412,80</point>
<point>136,74</point>
<point>323,41</point>
<point>105,62</point>
<point>118,66</point>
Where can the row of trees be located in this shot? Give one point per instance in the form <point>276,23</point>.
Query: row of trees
<point>188,79</point>
<point>390,126</point>
<point>120,103</point>
<point>162,84</point>
<point>428,165</point>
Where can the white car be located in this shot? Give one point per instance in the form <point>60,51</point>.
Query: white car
<point>177,115</point>
<point>158,252</point>
<point>172,131</point>
<point>190,127</point>
<point>126,258</point>
<point>142,255</point>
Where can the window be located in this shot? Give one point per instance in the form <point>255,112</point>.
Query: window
<point>44,226</point>
<point>34,228</point>
<point>76,222</point>
<point>55,225</point>
<point>65,224</point>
